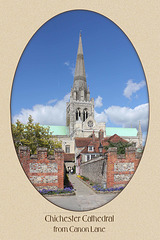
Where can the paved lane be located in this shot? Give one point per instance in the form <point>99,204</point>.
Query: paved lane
<point>85,198</point>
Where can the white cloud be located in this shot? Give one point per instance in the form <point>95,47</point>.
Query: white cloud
<point>44,114</point>
<point>127,117</point>
<point>132,87</point>
<point>98,102</point>
<point>56,115</point>
<point>101,117</point>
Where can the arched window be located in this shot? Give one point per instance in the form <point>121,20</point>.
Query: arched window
<point>85,114</point>
<point>78,114</point>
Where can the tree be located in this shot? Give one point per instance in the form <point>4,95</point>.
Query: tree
<point>120,146</point>
<point>33,135</point>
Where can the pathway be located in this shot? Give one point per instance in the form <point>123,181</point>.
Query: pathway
<point>85,198</point>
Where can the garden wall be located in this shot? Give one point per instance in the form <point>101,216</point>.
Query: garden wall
<point>45,172</point>
<point>116,171</point>
<point>94,169</point>
<point>120,168</point>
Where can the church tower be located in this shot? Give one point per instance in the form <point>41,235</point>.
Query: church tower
<point>80,107</point>
<point>139,135</point>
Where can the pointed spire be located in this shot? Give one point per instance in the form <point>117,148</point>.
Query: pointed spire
<point>80,49</point>
<point>80,76</point>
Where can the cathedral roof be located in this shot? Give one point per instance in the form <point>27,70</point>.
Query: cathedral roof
<point>110,131</point>
<point>58,130</point>
<point>123,132</point>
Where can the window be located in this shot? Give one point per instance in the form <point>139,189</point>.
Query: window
<point>67,148</point>
<point>90,148</point>
<point>85,114</point>
<point>93,156</point>
<point>78,114</point>
<point>88,157</point>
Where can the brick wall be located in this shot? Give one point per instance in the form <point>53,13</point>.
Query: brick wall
<point>120,168</point>
<point>45,172</point>
<point>118,171</point>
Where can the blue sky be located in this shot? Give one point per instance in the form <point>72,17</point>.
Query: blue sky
<point>44,75</point>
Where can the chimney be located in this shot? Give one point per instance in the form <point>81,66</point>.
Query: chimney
<point>93,137</point>
<point>101,135</point>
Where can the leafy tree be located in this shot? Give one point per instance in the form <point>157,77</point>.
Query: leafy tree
<point>33,135</point>
<point>120,146</point>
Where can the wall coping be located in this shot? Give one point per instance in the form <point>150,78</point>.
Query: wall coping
<point>24,148</point>
<point>41,149</point>
<point>93,160</point>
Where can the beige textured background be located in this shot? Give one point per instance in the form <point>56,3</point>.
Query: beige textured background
<point>137,208</point>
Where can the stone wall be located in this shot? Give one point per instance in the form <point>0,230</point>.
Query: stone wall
<point>45,172</point>
<point>116,171</point>
<point>120,168</point>
<point>95,170</point>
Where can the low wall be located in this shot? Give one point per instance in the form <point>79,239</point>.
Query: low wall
<point>94,169</point>
<point>45,172</point>
<point>116,171</point>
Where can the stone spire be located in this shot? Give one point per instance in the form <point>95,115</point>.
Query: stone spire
<point>80,76</point>
<point>139,134</point>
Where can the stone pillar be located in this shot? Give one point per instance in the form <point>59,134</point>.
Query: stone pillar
<point>130,153</point>
<point>131,156</point>
<point>59,158</point>
<point>24,157</point>
<point>112,157</point>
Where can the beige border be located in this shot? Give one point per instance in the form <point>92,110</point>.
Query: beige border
<point>23,209</point>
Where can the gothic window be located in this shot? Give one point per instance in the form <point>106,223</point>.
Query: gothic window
<point>78,114</point>
<point>85,114</point>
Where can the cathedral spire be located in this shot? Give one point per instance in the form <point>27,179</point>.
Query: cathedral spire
<point>80,76</point>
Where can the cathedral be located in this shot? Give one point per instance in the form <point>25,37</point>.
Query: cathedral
<point>80,122</point>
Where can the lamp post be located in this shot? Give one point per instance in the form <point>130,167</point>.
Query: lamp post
<point>100,149</point>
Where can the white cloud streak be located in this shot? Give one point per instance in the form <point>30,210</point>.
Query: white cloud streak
<point>132,87</point>
<point>52,101</point>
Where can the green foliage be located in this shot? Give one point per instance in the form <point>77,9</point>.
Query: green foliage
<point>33,135</point>
<point>120,146</point>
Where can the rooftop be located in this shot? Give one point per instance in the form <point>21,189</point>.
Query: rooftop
<point>123,132</point>
<point>110,131</point>
<point>58,130</point>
